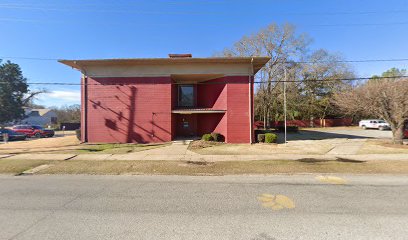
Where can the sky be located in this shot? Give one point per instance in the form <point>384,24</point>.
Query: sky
<point>85,29</point>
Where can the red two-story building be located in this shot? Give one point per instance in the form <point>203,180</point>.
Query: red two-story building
<point>162,99</point>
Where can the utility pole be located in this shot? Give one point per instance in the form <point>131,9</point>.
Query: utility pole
<point>284,101</point>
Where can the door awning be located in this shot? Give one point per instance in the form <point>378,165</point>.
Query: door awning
<point>197,110</point>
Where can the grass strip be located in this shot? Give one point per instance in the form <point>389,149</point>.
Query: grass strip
<point>9,166</point>
<point>225,168</point>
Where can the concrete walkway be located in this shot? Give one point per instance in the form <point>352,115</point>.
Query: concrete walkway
<point>171,152</point>
<point>208,158</point>
<point>347,148</point>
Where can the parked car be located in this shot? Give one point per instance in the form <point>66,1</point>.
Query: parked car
<point>34,131</point>
<point>406,130</point>
<point>374,124</point>
<point>13,135</point>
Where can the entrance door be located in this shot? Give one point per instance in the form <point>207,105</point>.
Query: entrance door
<point>186,125</point>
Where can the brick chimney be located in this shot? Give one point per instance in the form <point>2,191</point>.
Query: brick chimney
<point>183,55</point>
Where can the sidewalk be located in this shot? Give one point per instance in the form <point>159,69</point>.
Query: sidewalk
<point>179,152</point>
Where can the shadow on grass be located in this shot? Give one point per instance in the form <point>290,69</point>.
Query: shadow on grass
<point>315,160</point>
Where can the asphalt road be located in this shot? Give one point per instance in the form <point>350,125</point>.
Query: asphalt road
<point>164,207</point>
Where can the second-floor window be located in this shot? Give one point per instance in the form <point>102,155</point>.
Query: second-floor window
<point>186,96</point>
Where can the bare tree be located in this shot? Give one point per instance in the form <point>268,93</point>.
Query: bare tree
<point>382,98</point>
<point>68,114</point>
<point>306,98</point>
<point>32,95</point>
<point>281,44</point>
<point>321,77</point>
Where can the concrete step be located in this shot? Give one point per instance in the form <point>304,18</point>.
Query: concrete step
<point>182,142</point>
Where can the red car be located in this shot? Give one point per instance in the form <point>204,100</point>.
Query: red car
<point>406,130</point>
<point>33,131</point>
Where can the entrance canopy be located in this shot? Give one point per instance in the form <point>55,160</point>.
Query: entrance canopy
<point>197,110</point>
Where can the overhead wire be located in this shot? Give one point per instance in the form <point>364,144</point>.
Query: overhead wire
<point>219,82</point>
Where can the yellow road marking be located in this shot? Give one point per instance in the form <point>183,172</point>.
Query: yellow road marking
<point>276,202</point>
<point>331,179</point>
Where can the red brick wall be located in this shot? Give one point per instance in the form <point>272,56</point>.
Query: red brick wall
<point>215,122</point>
<point>83,118</point>
<point>212,94</point>
<point>139,110</point>
<point>238,110</point>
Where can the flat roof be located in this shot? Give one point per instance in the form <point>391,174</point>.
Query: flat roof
<point>258,62</point>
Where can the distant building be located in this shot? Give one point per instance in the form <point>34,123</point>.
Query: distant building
<point>40,117</point>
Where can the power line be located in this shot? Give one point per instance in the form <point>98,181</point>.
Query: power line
<point>354,61</point>
<point>240,82</point>
<point>80,8</point>
<point>357,24</point>
<point>30,58</point>
<point>191,24</point>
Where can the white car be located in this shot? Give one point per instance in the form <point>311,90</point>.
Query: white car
<point>374,123</point>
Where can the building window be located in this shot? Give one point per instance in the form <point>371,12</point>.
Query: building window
<point>186,96</point>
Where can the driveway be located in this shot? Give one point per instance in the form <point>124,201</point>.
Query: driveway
<point>336,132</point>
<point>317,141</point>
<point>230,207</point>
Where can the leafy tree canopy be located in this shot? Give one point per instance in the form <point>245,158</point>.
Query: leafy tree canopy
<point>13,87</point>
<point>392,72</point>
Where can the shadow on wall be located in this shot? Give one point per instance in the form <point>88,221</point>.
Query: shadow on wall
<point>208,123</point>
<point>209,94</point>
<point>130,124</point>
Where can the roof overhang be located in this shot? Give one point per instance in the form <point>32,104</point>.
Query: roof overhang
<point>168,66</point>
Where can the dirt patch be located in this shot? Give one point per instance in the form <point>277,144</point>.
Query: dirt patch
<point>200,163</point>
<point>319,160</point>
<point>349,160</point>
<point>200,144</point>
<point>312,160</point>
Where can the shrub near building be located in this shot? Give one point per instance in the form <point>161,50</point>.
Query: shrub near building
<point>270,137</point>
<point>207,137</point>
<point>216,137</point>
